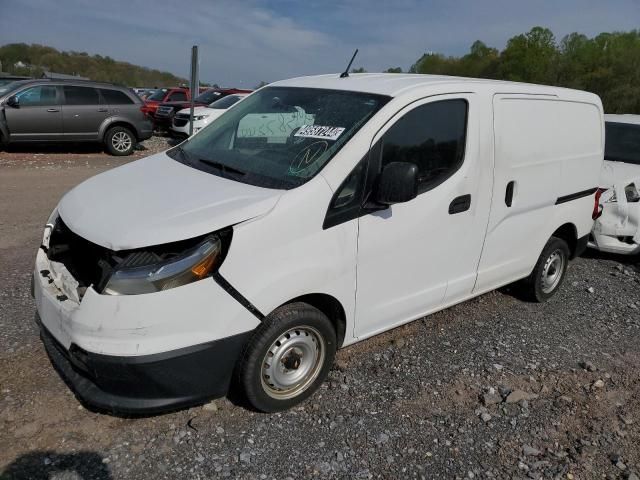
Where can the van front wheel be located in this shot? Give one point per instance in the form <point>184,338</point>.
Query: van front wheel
<point>549,272</point>
<point>288,358</point>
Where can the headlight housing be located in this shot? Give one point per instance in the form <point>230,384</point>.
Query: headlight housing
<point>190,266</point>
<point>48,227</point>
<point>200,117</point>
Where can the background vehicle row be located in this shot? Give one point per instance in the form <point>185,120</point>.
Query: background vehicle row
<point>165,111</point>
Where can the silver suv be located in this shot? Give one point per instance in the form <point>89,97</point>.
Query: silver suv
<point>75,111</point>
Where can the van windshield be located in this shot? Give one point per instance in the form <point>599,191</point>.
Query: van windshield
<point>279,137</point>
<point>622,142</point>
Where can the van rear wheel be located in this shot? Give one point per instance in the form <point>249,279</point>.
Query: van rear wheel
<point>549,272</point>
<point>288,358</point>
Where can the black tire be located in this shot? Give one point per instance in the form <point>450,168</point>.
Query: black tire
<point>307,326</point>
<point>120,141</point>
<point>538,286</point>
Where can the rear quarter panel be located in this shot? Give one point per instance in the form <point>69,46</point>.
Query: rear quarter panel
<point>551,147</point>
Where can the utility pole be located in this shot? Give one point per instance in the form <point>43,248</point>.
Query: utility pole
<point>195,84</point>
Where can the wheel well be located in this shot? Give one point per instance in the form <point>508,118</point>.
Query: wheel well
<point>331,307</point>
<point>121,123</point>
<point>569,234</point>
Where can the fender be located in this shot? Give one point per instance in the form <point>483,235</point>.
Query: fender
<point>116,119</point>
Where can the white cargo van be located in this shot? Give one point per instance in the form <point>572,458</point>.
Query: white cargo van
<point>251,257</point>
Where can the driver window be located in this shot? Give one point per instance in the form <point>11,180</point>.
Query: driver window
<point>433,137</point>
<point>37,96</point>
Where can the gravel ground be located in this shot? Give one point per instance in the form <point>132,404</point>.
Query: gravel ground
<point>493,388</point>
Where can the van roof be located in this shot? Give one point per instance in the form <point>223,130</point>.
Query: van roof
<point>394,84</point>
<point>624,118</point>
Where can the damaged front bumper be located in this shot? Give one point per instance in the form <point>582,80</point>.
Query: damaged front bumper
<point>140,353</point>
<point>146,384</point>
<point>617,228</point>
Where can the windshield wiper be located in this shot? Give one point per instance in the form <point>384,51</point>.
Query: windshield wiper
<point>222,167</point>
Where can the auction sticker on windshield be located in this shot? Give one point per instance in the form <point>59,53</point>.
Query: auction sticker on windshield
<point>319,131</point>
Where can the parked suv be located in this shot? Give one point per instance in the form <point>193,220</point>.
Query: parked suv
<point>79,111</point>
<point>164,95</point>
<point>165,112</point>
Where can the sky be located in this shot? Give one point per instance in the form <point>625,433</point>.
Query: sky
<point>243,42</point>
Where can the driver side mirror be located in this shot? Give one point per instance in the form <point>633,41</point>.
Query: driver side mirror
<point>398,183</point>
<point>13,101</point>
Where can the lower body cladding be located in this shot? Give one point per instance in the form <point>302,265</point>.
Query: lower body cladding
<point>141,353</point>
<point>617,229</point>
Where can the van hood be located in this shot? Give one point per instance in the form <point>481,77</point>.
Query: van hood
<point>157,200</point>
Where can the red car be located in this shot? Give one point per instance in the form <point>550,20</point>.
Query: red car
<point>176,94</point>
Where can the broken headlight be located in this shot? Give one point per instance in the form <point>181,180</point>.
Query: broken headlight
<point>192,265</point>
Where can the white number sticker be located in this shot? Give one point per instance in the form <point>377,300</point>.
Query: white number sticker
<point>319,131</point>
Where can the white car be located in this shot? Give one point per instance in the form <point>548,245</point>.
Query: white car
<point>617,219</point>
<point>202,116</point>
<point>255,249</point>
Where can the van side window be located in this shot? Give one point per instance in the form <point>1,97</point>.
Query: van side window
<point>433,137</point>
<point>622,142</point>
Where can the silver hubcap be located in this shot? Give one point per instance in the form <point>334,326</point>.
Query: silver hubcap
<point>552,271</point>
<point>292,362</point>
<point>121,141</point>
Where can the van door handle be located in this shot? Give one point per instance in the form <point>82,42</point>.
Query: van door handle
<point>460,204</point>
<point>508,196</point>
<point>53,110</point>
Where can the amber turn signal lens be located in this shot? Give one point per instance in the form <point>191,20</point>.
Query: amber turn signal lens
<point>203,268</point>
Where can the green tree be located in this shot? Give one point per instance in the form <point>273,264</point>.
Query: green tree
<point>436,64</point>
<point>608,64</point>
<point>38,58</point>
<point>480,62</point>
<point>531,57</point>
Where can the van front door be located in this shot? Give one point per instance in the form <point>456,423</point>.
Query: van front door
<point>416,257</point>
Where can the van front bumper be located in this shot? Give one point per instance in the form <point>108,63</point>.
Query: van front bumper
<point>141,353</point>
<point>147,384</point>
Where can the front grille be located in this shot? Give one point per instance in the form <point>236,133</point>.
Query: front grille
<point>88,263</point>
<point>164,111</point>
<point>180,122</point>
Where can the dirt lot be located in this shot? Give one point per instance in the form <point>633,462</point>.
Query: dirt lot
<point>494,388</point>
